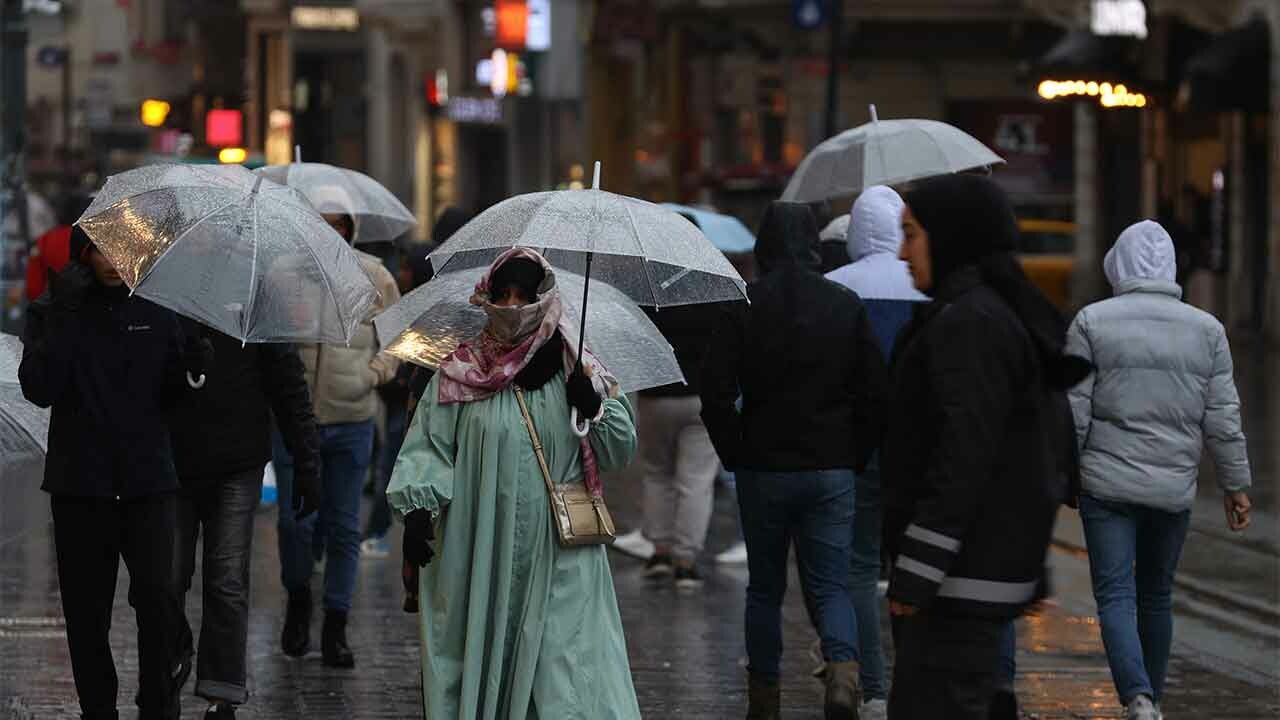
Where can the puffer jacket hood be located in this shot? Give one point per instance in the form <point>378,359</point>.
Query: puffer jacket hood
<point>1142,255</point>
<point>788,238</point>
<point>875,225</point>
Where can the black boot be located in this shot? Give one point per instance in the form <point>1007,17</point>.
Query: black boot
<point>333,640</point>
<point>764,697</point>
<point>296,638</point>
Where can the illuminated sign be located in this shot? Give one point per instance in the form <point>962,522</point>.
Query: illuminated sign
<point>513,23</point>
<point>475,110</point>
<point>154,112</point>
<point>224,128</point>
<point>538,28</point>
<point>1127,18</point>
<point>232,156</point>
<point>1109,96</point>
<point>311,17</point>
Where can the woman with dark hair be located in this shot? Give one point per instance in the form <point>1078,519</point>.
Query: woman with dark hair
<point>514,624</point>
<point>979,449</point>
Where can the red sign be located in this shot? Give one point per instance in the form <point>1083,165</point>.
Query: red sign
<point>513,23</point>
<point>224,128</point>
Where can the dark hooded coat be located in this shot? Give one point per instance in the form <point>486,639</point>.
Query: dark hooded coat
<point>803,357</point>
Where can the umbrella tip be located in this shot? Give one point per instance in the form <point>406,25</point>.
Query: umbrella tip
<point>297,153</point>
<point>875,118</point>
<point>595,178</point>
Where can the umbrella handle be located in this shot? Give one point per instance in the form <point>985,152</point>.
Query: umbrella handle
<point>194,383</point>
<point>580,427</point>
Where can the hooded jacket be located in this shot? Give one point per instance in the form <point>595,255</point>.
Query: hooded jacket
<point>876,274</point>
<point>803,358</point>
<point>1164,386</point>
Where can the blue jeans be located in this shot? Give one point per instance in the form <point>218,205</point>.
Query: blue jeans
<point>864,575</point>
<point>1133,553</point>
<point>380,517</point>
<point>344,457</point>
<point>816,510</point>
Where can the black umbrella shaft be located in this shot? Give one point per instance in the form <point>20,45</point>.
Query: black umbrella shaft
<point>582,329</point>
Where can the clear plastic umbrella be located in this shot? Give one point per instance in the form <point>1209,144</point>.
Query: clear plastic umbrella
<point>233,250</point>
<point>379,216</point>
<point>24,428</point>
<point>430,322</point>
<point>885,152</point>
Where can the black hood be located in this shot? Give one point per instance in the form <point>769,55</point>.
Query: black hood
<point>788,238</point>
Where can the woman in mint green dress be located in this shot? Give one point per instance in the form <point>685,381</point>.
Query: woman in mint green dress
<point>513,625</point>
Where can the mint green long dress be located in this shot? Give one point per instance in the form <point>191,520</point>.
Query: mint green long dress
<point>513,626</point>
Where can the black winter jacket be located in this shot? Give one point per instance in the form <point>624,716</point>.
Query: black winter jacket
<point>111,371</point>
<point>226,428</point>
<point>688,328</point>
<point>974,464</point>
<point>802,355</point>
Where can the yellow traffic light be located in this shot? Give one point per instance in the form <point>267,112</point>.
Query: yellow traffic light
<point>154,112</point>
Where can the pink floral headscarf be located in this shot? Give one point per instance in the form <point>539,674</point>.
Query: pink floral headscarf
<point>486,365</point>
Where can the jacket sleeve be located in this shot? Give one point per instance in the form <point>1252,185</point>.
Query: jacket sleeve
<point>870,391</point>
<point>613,436</point>
<point>719,388</point>
<point>285,386</point>
<point>1081,396</point>
<point>384,365</point>
<point>972,373</point>
<point>45,370</point>
<point>1223,429</point>
<point>423,478</point>
<point>174,387</point>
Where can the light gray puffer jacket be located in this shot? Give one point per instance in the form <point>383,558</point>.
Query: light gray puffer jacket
<point>1163,388</point>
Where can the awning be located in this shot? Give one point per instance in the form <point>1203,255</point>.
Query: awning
<point>1081,55</point>
<point>1233,73</point>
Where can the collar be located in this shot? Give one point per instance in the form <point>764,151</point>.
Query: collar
<point>956,284</point>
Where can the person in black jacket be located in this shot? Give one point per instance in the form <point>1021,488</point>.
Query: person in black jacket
<point>975,459</point>
<point>112,366</point>
<point>222,441</point>
<point>812,381</point>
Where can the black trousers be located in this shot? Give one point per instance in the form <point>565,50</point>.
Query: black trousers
<point>91,536</point>
<point>944,667</point>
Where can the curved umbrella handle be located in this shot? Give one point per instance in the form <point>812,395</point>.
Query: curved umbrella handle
<point>194,383</point>
<point>580,427</point>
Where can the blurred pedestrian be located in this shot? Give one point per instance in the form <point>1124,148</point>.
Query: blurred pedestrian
<point>812,382</point>
<point>52,250</point>
<point>975,461</point>
<point>679,463</point>
<point>833,247</point>
<point>515,625</point>
<point>881,279</point>
<point>1164,390</point>
<point>342,380</point>
<point>221,442</point>
<point>112,367</point>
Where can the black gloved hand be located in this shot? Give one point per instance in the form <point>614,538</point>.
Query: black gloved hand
<point>582,394</point>
<point>197,356</point>
<point>418,534</point>
<point>306,491</point>
<point>68,288</point>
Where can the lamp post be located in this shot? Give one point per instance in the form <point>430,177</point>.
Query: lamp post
<point>13,87</point>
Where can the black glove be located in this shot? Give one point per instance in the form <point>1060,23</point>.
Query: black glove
<point>68,288</point>
<point>197,356</point>
<point>306,492</point>
<point>418,534</point>
<point>582,394</point>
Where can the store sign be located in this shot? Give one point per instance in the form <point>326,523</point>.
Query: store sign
<point>51,57</point>
<point>1127,18</point>
<point>224,128</point>
<point>538,26</point>
<point>487,111</point>
<point>513,23</point>
<point>312,17</point>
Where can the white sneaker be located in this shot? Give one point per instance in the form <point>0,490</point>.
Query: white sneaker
<point>634,544</point>
<point>1141,708</point>
<point>735,555</point>
<point>874,710</point>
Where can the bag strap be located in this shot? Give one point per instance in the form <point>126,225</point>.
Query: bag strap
<point>537,442</point>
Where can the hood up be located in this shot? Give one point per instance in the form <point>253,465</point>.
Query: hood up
<point>788,238</point>
<point>876,223</point>
<point>1142,254</point>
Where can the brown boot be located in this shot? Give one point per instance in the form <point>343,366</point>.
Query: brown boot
<point>764,698</point>
<point>844,691</point>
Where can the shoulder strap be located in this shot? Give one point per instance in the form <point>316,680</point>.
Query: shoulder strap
<point>533,436</point>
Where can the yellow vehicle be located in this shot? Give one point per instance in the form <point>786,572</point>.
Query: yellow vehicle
<point>1047,256</point>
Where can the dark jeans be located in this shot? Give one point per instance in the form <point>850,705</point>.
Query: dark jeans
<point>344,454</point>
<point>864,577</point>
<point>1133,554</point>
<point>91,535</point>
<point>224,508</point>
<point>945,666</point>
<point>380,517</point>
<point>816,510</point>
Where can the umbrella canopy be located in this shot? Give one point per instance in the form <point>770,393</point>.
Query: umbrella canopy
<point>726,232</point>
<point>233,250</point>
<point>24,428</point>
<point>379,216</point>
<point>430,322</point>
<point>885,152</point>
<point>651,254</point>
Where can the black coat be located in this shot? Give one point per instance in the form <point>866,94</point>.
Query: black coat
<point>974,459</point>
<point>688,329</point>
<point>226,428</point>
<point>111,371</point>
<point>803,357</point>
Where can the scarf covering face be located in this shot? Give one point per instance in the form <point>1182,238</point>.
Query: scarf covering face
<point>487,364</point>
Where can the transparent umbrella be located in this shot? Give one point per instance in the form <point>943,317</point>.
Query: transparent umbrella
<point>885,152</point>
<point>233,250</point>
<point>24,428</point>
<point>430,322</point>
<point>379,216</point>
